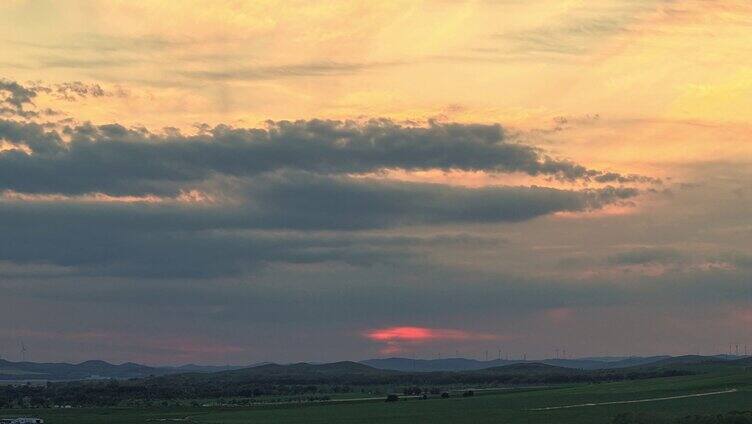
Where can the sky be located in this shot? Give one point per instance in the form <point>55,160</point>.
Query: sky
<point>236,182</point>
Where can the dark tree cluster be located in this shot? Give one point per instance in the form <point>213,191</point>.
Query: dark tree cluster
<point>301,385</point>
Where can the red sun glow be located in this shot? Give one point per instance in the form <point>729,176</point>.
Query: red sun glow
<point>421,334</point>
<point>396,338</point>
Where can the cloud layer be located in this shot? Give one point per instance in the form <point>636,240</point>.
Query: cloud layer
<point>305,234</point>
<point>129,202</point>
<point>174,238</point>
<point>115,160</point>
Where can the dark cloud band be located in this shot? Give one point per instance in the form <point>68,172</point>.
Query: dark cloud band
<point>302,177</point>
<point>119,161</point>
<point>174,239</point>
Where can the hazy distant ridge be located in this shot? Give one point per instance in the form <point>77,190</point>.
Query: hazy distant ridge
<point>462,364</point>
<point>105,370</point>
<point>94,370</point>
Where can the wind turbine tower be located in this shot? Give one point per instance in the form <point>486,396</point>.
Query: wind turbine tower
<point>23,351</point>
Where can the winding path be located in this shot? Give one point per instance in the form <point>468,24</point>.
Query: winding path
<point>634,401</point>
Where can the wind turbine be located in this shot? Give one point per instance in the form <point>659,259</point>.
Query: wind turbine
<point>23,350</point>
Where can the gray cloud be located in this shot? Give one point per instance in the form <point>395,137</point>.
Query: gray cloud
<point>304,200</point>
<point>32,135</point>
<point>71,91</point>
<point>740,260</point>
<point>171,239</point>
<point>161,254</point>
<point>313,69</point>
<point>200,270</point>
<point>390,296</point>
<point>645,255</point>
<point>14,97</point>
<point>294,177</point>
<point>573,39</point>
<point>584,29</point>
<point>319,316</point>
<point>64,62</point>
<point>581,31</point>
<point>76,90</point>
<point>94,42</point>
<point>116,160</point>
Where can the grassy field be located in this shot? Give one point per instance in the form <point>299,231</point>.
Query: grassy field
<point>485,407</point>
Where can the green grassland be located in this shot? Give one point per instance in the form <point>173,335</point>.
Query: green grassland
<point>485,407</point>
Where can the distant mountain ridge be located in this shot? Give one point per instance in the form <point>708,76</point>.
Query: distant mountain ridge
<point>600,363</point>
<point>81,371</point>
<point>97,369</point>
<point>212,368</point>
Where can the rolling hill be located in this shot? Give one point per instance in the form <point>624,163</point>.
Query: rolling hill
<point>84,370</point>
<point>462,364</point>
<point>93,370</point>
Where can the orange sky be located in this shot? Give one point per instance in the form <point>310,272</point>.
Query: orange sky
<point>671,78</point>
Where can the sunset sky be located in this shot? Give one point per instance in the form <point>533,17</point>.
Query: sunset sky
<point>236,182</point>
